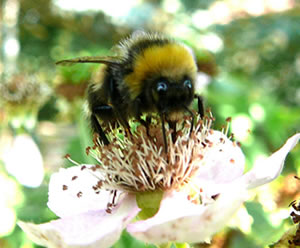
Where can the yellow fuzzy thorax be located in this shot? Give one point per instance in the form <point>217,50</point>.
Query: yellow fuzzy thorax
<point>172,61</point>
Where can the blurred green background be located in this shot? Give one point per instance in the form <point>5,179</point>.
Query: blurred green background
<point>249,55</point>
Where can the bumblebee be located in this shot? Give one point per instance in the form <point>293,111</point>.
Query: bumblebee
<point>150,73</point>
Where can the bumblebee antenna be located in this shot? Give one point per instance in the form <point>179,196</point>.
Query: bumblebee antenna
<point>111,61</point>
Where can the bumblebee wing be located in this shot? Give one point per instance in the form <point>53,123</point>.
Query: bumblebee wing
<point>108,60</point>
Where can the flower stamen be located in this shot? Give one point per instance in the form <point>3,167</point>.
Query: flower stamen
<point>137,163</point>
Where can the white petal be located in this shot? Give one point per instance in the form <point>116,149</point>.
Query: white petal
<point>71,192</point>
<point>23,157</point>
<point>93,229</point>
<point>270,168</point>
<point>223,160</point>
<point>181,221</point>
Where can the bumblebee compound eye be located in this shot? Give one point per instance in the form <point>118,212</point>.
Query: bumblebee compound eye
<point>161,87</point>
<point>188,84</point>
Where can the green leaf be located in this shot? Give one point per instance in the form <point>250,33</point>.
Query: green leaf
<point>263,232</point>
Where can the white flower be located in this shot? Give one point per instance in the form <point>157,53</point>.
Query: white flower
<point>186,195</point>
<point>22,150</point>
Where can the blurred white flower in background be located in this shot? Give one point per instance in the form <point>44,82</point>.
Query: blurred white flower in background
<point>23,160</point>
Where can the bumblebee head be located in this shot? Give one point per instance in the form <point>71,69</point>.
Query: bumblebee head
<point>169,95</point>
<point>165,73</point>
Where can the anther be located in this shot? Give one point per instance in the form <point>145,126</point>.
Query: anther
<point>214,197</point>
<point>68,156</point>
<point>87,150</point>
<point>74,178</point>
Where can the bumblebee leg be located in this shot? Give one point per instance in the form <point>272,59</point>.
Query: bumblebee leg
<point>98,129</point>
<point>163,119</point>
<point>200,106</point>
<point>172,125</point>
<point>193,119</point>
<point>138,113</point>
<point>145,123</point>
<point>148,121</point>
<point>123,121</point>
<point>115,96</point>
<point>100,111</point>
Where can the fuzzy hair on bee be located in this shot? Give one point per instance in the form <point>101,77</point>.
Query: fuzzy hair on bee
<point>150,73</point>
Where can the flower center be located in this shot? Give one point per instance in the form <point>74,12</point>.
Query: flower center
<point>137,162</point>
